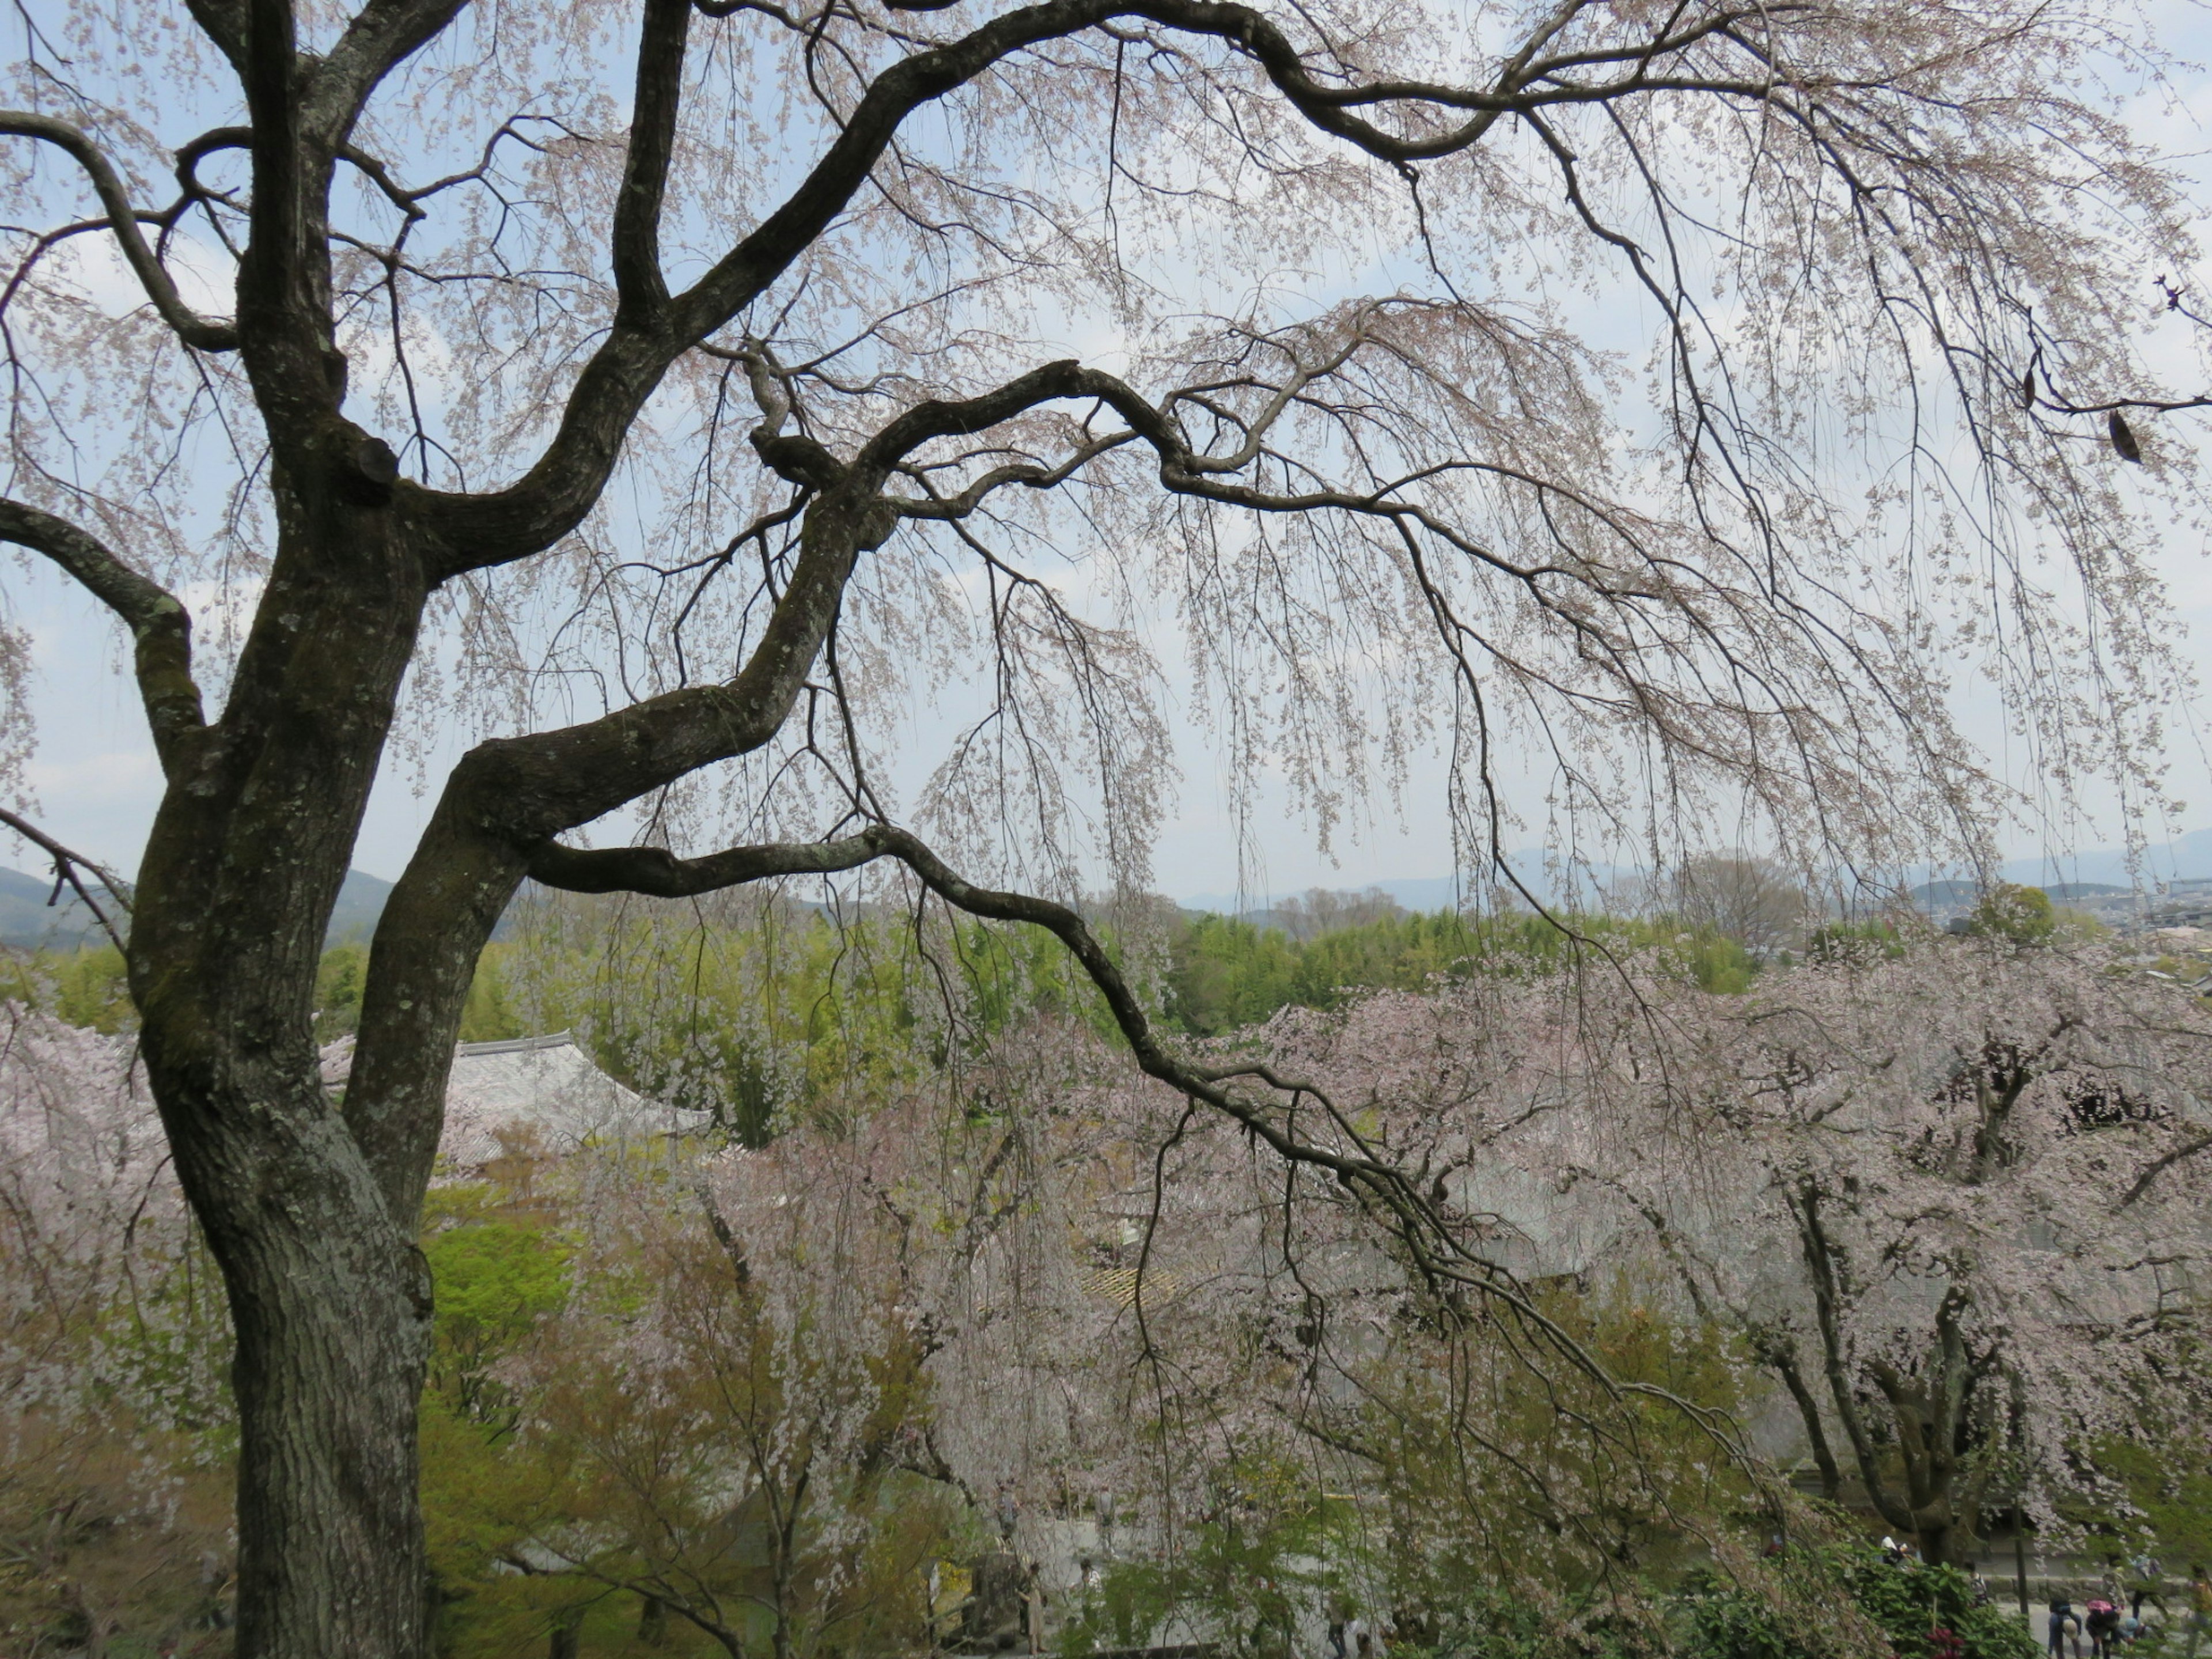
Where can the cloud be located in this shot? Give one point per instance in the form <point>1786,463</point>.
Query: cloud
<point>118,777</point>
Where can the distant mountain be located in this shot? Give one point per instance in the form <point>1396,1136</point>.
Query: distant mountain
<point>1945,894</point>
<point>25,923</point>
<point>1427,893</point>
<point>2184,862</point>
<point>361,902</point>
<point>2185,858</point>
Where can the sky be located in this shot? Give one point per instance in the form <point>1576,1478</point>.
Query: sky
<point>96,784</point>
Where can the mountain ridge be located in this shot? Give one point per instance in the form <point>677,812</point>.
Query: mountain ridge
<point>2185,858</point>
<point>28,923</point>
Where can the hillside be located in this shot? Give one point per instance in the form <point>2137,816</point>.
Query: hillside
<point>25,923</point>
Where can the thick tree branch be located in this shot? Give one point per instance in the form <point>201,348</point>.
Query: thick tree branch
<point>640,289</point>
<point>508,797</point>
<point>659,874</point>
<point>2159,1166</point>
<point>160,628</point>
<point>222,21</point>
<point>499,527</point>
<point>200,332</point>
<point>1819,1263</point>
<point>286,329</point>
<point>383,35</point>
<point>1779,1355</point>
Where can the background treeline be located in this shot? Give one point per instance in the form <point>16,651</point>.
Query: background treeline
<point>746,978</point>
<point>757,1001</point>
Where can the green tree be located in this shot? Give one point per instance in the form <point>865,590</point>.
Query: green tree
<point>2024,915</point>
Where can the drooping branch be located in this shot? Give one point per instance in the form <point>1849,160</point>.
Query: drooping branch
<point>160,628</point>
<point>1440,1253</point>
<point>659,873</point>
<point>200,332</point>
<point>552,496</point>
<point>67,864</point>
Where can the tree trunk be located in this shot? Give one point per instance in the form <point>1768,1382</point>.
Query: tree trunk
<point>1926,1420</point>
<point>331,1303</point>
<point>330,1299</point>
<point>1783,1361</point>
<point>332,1343</point>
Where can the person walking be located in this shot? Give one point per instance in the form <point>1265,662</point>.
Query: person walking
<point>2146,1577</point>
<point>2065,1630</point>
<point>2200,1608</point>
<point>2113,1585</point>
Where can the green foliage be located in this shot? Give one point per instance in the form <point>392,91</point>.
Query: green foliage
<point>338,981</point>
<point>1854,941</point>
<point>490,1014</point>
<point>497,1269</point>
<point>1226,973</point>
<point>762,1009</point>
<point>2023,914</point>
<point>1463,1466</point>
<point>1454,1519</point>
<point>1243,1568</point>
<point>1487,1625</point>
<point>2168,1482</point>
<point>86,987</point>
<point>1926,1612</point>
<point>760,1012</point>
<point>657,1426</point>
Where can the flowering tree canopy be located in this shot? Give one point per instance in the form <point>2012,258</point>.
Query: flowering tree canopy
<point>1954,1202</point>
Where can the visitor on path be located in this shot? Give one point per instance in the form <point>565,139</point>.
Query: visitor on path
<point>2144,1580</point>
<point>2146,1577</point>
<point>2113,1586</point>
<point>2104,1627</point>
<point>2200,1608</point>
<point>2065,1630</point>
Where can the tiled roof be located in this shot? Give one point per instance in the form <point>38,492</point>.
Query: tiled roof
<point>543,1090</point>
